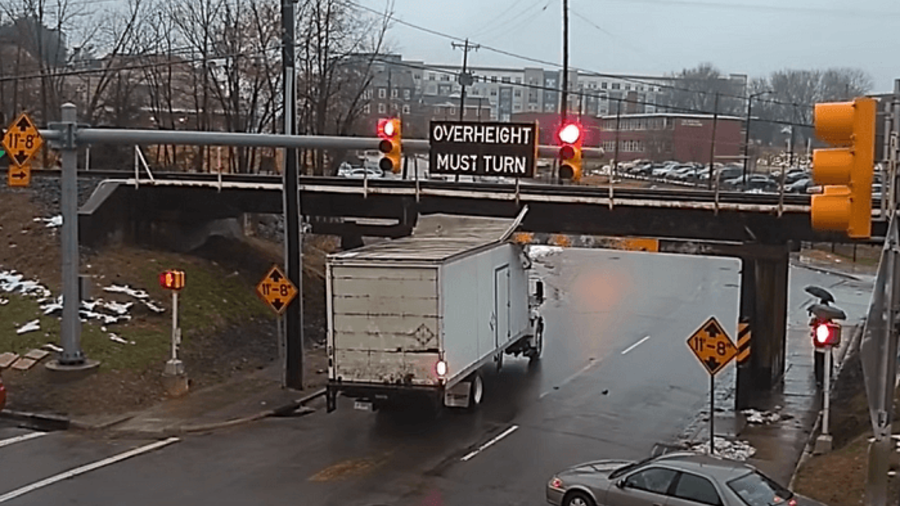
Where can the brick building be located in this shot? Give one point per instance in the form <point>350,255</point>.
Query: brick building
<point>681,137</point>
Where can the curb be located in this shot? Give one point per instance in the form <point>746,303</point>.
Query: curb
<point>283,410</point>
<point>824,270</point>
<point>39,420</point>
<point>813,434</point>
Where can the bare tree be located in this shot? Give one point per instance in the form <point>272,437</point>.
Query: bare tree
<point>334,74</point>
<point>694,91</point>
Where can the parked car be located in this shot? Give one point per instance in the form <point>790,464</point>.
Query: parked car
<point>725,173</point>
<point>361,172</point>
<point>799,186</point>
<point>2,394</point>
<point>675,479</point>
<point>752,181</point>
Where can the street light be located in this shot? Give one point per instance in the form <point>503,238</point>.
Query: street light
<point>747,130</point>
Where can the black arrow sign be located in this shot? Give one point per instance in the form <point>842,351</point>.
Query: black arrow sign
<point>18,175</point>
<point>277,304</point>
<point>276,276</point>
<point>712,330</point>
<point>712,363</point>
<point>23,125</point>
<point>21,157</point>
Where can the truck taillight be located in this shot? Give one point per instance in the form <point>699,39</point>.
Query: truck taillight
<point>440,368</point>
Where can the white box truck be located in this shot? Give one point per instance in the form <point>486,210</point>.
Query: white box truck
<point>414,319</point>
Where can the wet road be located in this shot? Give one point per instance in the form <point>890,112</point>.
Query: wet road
<point>616,378</point>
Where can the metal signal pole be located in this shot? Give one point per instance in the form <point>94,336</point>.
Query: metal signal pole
<point>293,252</point>
<point>564,103</point>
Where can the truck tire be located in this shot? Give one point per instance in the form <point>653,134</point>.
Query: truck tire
<point>537,348</point>
<point>476,391</point>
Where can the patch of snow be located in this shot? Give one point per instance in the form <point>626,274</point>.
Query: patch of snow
<point>127,290</point>
<point>734,450</point>
<point>114,337</point>
<point>3,301</point>
<point>53,222</point>
<point>118,307</point>
<point>539,251</point>
<point>153,307</point>
<point>31,326</point>
<point>12,282</point>
<point>761,417</point>
<point>52,347</point>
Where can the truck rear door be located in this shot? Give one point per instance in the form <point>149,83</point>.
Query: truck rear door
<point>384,324</point>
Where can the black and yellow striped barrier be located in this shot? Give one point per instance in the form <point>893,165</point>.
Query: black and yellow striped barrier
<point>743,342</point>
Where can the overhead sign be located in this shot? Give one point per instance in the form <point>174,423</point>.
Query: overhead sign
<point>18,176</point>
<point>276,290</point>
<point>22,140</point>
<point>712,346</point>
<point>483,149</point>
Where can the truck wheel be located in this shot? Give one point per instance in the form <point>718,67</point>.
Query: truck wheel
<point>476,391</point>
<point>537,349</point>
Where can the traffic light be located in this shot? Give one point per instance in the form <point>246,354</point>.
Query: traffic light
<point>845,203</point>
<point>826,333</point>
<point>389,132</point>
<point>570,139</point>
<point>172,280</point>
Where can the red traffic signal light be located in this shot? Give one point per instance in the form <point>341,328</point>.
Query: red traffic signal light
<point>172,280</point>
<point>389,132</point>
<point>826,334</point>
<point>571,136</point>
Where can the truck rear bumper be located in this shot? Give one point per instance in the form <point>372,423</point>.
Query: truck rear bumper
<point>382,395</point>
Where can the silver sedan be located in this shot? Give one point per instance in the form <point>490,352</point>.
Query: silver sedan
<point>675,479</point>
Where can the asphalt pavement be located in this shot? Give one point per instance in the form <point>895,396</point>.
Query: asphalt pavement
<point>616,378</point>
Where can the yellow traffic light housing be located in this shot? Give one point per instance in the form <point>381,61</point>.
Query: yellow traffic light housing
<point>571,138</point>
<point>389,132</point>
<point>845,203</point>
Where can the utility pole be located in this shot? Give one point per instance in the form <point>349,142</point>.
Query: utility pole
<point>293,366</point>
<point>615,167</point>
<point>564,102</point>
<point>712,145</point>
<point>464,78</point>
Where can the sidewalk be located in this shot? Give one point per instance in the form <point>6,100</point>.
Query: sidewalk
<point>239,400</point>
<point>780,444</point>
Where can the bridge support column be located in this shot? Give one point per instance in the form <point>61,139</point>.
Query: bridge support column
<point>744,386</point>
<point>764,301</point>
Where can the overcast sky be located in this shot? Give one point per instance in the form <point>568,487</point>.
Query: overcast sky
<point>753,37</point>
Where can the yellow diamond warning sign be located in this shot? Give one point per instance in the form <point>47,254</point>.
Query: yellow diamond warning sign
<point>276,290</point>
<point>712,346</point>
<point>22,140</point>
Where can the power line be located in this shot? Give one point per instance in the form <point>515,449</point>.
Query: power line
<point>557,65</point>
<point>598,96</point>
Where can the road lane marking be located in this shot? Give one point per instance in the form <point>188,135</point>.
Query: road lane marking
<point>490,443</point>
<point>71,473</point>
<point>635,345</point>
<point>19,439</point>
<point>566,381</point>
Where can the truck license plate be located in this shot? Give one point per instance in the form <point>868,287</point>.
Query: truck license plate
<point>362,405</point>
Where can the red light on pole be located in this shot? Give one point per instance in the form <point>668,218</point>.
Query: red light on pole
<point>172,280</point>
<point>826,334</point>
